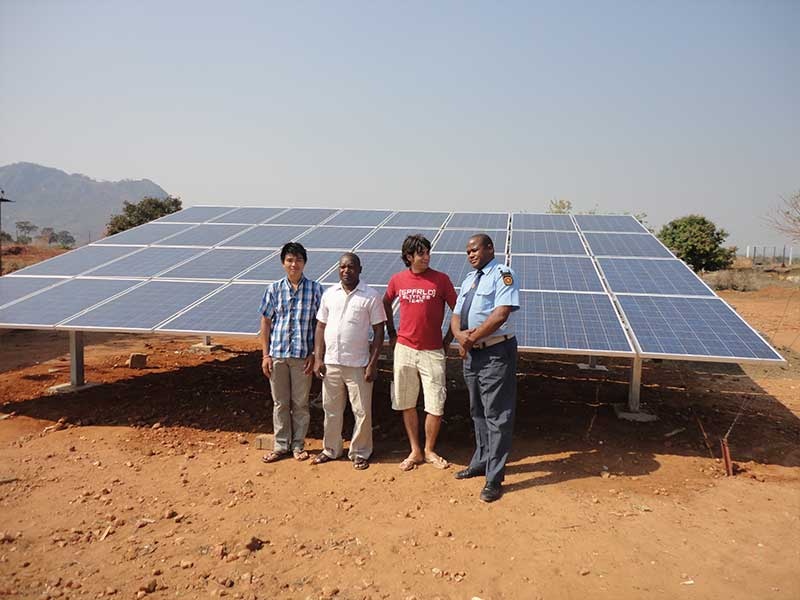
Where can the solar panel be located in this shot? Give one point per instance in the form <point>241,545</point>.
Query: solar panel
<point>319,261</point>
<point>546,242</point>
<point>220,263</point>
<point>351,217</point>
<point>14,288</point>
<point>145,234</point>
<point>542,222</point>
<point>195,214</point>
<point>231,310</point>
<point>303,216</point>
<point>203,235</point>
<point>417,219</point>
<point>700,328</point>
<point>249,215</point>
<point>392,239</point>
<point>376,267</point>
<point>455,240</point>
<point>340,238</point>
<point>78,261</point>
<point>626,244</point>
<point>576,323</point>
<point>564,273</point>
<point>454,265</point>
<point>147,262</point>
<point>478,222</point>
<point>615,223</point>
<point>53,305</point>
<point>142,308</point>
<point>652,276</point>
<point>267,236</point>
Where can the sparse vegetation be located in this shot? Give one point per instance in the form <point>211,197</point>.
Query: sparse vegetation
<point>786,217</point>
<point>698,242</point>
<point>139,213</point>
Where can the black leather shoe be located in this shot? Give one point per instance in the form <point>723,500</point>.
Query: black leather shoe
<point>468,473</point>
<point>491,492</point>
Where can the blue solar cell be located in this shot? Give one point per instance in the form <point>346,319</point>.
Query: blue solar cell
<point>454,265</point>
<point>377,267</point>
<point>196,214</point>
<point>566,321</point>
<point>392,239</point>
<point>478,222</point>
<point>145,263</point>
<point>145,234</point>
<point>303,216</point>
<point>340,238</point>
<point>546,242</point>
<point>612,223</point>
<point>560,273</point>
<point>692,327</point>
<point>417,219</point>
<point>652,276</point>
<point>359,217</point>
<point>267,236</point>
<point>77,261</point>
<point>14,288</point>
<point>220,263</point>
<point>233,309</point>
<point>247,215</point>
<point>203,235</point>
<point>542,222</point>
<point>53,305</point>
<point>319,261</point>
<point>626,244</point>
<point>144,307</point>
<point>455,240</point>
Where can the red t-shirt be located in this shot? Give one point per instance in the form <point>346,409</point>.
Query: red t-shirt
<point>422,299</point>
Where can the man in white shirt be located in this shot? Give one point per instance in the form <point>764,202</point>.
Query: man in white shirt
<point>346,361</point>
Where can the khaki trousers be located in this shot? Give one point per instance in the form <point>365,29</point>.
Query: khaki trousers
<point>290,416</point>
<point>338,383</point>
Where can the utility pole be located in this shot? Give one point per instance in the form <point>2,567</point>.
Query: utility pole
<point>2,200</point>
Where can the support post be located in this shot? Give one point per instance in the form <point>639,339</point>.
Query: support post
<point>76,371</point>
<point>207,340</point>
<point>636,385</point>
<point>592,365</point>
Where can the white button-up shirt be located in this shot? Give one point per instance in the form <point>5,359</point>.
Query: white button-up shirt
<point>348,319</point>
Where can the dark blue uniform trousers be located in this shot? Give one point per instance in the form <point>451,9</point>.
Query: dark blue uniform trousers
<point>491,377</point>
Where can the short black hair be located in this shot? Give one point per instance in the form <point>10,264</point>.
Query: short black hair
<point>414,244</point>
<point>484,240</point>
<point>351,255</point>
<point>294,248</point>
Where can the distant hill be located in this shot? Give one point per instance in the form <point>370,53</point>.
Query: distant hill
<point>49,197</point>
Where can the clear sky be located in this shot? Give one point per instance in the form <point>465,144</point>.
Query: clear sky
<point>667,108</point>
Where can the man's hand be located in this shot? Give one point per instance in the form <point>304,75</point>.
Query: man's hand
<point>392,340</point>
<point>371,372</point>
<point>308,365</point>
<point>319,368</point>
<point>465,340</point>
<point>266,366</point>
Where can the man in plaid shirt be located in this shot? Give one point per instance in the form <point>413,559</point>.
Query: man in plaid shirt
<point>288,320</point>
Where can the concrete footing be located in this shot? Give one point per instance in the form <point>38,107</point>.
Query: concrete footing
<point>67,388</point>
<point>623,413</point>
<point>204,348</point>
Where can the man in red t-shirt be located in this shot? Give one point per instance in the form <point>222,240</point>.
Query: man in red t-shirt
<point>419,353</point>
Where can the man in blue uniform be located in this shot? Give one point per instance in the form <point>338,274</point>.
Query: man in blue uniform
<point>485,335</point>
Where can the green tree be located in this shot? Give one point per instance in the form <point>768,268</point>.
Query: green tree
<point>139,213</point>
<point>561,206</point>
<point>24,231</point>
<point>47,235</point>
<point>698,242</point>
<point>64,239</point>
<point>5,236</point>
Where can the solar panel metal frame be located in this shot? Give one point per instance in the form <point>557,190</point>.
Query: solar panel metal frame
<point>524,233</point>
<point>601,259</point>
<point>122,238</point>
<point>667,252</point>
<point>175,240</point>
<point>395,221</point>
<point>517,219</point>
<point>567,257</point>
<point>636,225</point>
<point>236,241</point>
<point>456,221</point>
<point>185,215</point>
<point>699,357</point>
<point>229,217</point>
<point>263,253</point>
<point>99,272</point>
<point>121,251</point>
<point>168,326</point>
<point>307,239</point>
<point>51,282</point>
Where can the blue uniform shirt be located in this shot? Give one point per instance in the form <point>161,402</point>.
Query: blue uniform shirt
<point>497,287</point>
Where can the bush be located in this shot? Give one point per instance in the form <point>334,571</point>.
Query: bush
<point>139,213</point>
<point>697,241</point>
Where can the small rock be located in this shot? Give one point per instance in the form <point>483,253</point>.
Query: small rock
<point>170,514</point>
<point>186,564</point>
<point>583,572</point>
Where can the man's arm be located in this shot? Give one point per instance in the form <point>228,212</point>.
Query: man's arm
<point>390,330</point>
<point>492,323</point>
<point>319,350</point>
<point>374,351</point>
<point>264,334</point>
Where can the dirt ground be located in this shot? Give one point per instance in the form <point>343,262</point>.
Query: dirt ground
<point>151,484</point>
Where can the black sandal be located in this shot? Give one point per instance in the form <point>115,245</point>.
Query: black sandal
<point>321,459</point>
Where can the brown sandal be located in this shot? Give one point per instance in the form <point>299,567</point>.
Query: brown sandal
<point>359,464</point>
<point>321,459</point>
<point>274,456</point>
<point>300,455</point>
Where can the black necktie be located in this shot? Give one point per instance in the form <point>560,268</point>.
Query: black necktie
<point>468,301</point>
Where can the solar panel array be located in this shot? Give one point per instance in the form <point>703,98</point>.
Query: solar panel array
<point>591,284</point>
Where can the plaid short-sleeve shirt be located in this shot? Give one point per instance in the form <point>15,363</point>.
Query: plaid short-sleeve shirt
<point>293,316</point>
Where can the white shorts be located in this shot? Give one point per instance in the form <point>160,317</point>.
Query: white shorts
<point>411,366</point>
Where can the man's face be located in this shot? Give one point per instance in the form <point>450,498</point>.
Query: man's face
<point>293,265</point>
<point>420,261</point>
<point>478,254</point>
<point>349,271</point>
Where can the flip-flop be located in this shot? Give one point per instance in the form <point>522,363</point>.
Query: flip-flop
<point>437,461</point>
<point>273,456</point>
<point>408,464</point>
